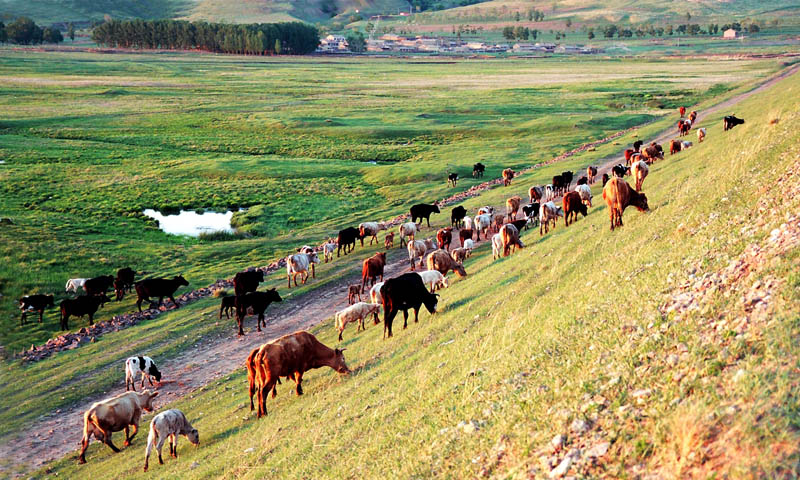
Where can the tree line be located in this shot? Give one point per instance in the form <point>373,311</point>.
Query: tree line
<point>611,31</point>
<point>23,31</point>
<point>293,38</point>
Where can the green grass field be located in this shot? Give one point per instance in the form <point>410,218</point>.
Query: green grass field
<point>568,328</point>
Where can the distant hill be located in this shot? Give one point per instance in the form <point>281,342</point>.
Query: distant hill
<point>49,11</point>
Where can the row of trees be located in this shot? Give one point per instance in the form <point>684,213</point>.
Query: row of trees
<point>519,33</point>
<point>611,31</point>
<point>293,38</point>
<point>24,31</point>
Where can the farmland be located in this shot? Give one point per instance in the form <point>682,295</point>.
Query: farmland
<point>308,147</point>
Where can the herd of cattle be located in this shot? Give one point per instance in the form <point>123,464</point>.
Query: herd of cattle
<point>292,355</point>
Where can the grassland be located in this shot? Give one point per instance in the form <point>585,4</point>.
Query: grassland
<point>568,328</point>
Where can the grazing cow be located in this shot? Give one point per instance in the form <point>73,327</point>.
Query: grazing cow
<point>444,237</point>
<point>112,415</point>
<point>457,216</point>
<point>80,306</point>
<point>512,207</point>
<point>98,285</point>
<point>686,145</point>
<point>591,172</point>
<point>582,181</point>
<point>620,170</point>
<point>567,176</point>
<point>347,240</point>
<point>452,179</point>
<point>497,221</point>
<point>408,229</point>
<point>468,246</point>
<point>674,146</point>
<point>605,179</point>
<point>353,292</point>
<point>74,284</point>
<point>628,155</point>
<point>299,264</point>
<point>618,195</point>
<point>327,249</point>
<point>441,261</point>
<point>370,229</point>
<point>467,223</point>
<point>247,281</point>
<point>558,185</point>
<point>423,211</point>
<point>508,175</point>
<point>586,194</point>
<point>682,111</point>
<point>355,313</point>
<point>372,268</point>
<point>227,305</point>
<point>652,153</point>
<point>434,279</point>
<point>549,213</point>
<point>388,240</point>
<point>165,425</point>
<point>693,117</point>
<point>509,236</point>
<point>482,224</point>
<point>34,303</point>
<point>258,302</point>
<point>684,126</point>
<point>637,145</point>
<point>291,356</point>
<point>144,366</point>
<point>572,206</point>
<point>158,287</point>
<point>403,293</point>
<point>478,169</point>
<point>459,254</point>
<point>531,212</point>
<point>535,194</point>
<point>375,293</point>
<point>497,245</point>
<point>418,248</point>
<point>464,235</point>
<point>701,134</point>
<point>640,171</point>
<point>124,282</point>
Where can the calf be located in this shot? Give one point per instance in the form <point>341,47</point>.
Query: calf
<point>247,281</point>
<point>605,179</point>
<point>512,207</point>
<point>408,229</point>
<point>112,415</point>
<point>143,366</point>
<point>158,287</point>
<point>637,145</point>
<point>682,111</point>
<point>693,117</point>
<point>549,213</point>
<point>433,279</point>
<point>299,264</point>
<point>497,246</point>
<point>468,246</point>
<point>509,236</point>
<point>572,206</point>
<point>508,175</point>
<point>653,152</point>
<point>375,293</point>
<point>227,305</point>
<point>74,284</point>
<point>586,194</point>
<point>478,169</point>
<point>683,127</point>
<point>372,268</point>
<point>459,254</point>
<point>452,179</point>
<point>98,285</point>
<point>327,249</point>
<point>353,292</point>
<point>618,195</point>
<point>347,240</point>
<point>258,302</point>
<point>457,216</point>
<point>486,210</point>
<point>629,153</point>
<point>417,249</point>
<point>441,261</point>
<point>355,313</point>
<point>640,171</point>
<point>34,303</point>
<point>80,306</point>
<point>124,282</point>
<point>482,224</point>
<point>444,237</point>
<point>165,425</point>
<point>403,293</point>
<point>591,172</point>
<point>388,240</point>
<point>370,229</point>
<point>531,211</point>
<point>535,194</point>
<point>423,211</point>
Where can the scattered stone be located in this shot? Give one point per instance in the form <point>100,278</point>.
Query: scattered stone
<point>579,426</point>
<point>194,465</point>
<point>598,450</point>
<point>249,450</point>
<point>558,441</point>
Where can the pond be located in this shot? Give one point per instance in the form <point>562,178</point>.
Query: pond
<point>189,222</point>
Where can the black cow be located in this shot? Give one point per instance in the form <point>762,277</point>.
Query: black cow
<point>404,292</point>
<point>158,287</point>
<point>478,169</point>
<point>423,211</point>
<point>452,179</point>
<point>558,184</point>
<point>258,301</point>
<point>582,181</point>
<point>620,170</point>
<point>567,176</point>
<point>228,305</point>
<point>605,179</point>
<point>80,306</point>
<point>731,121</point>
<point>457,216</point>
<point>98,285</point>
<point>246,282</point>
<point>347,239</point>
<point>34,303</point>
<point>124,282</point>
<point>637,145</point>
<point>531,210</point>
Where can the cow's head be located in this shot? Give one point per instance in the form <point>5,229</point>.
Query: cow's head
<point>640,202</point>
<point>181,281</point>
<point>338,361</point>
<point>430,302</point>
<point>436,208</point>
<point>459,269</point>
<point>273,295</point>
<point>146,400</point>
<point>313,257</point>
<point>193,436</point>
<point>155,373</point>
<point>102,299</point>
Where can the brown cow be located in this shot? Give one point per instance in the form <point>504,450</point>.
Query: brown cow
<point>465,234</point>
<point>372,269</point>
<point>388,241</point>
<point>618,195</point>
<point>509,235</point>
<point>591,172</point>
<point>573,204</point>
<point>112,415</point>
<point>682,111</point>
<point>291,356</point>
<point>693,117</point>
<point>441,261</point>
<point>512,207</point>
<point>508,174</point>
<point>444,237</point>
<point>652,153</point>
<point>675,146</point>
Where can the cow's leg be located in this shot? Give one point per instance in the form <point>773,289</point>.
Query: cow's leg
<point>128,439</point>
<point>174,302</point>
<point>298,378</point>
<point>91,318</point>
<point>107,441</point>
<point>240,321</point>
<point>41,312</point>
<point>388,318</point>
<point>416,315</point>
<point>84,446</point>
<point>405,319</point>
<point>260,320</point>
<point>159,446</point>
<point>262,407</point>
<point>139,303</point>
<point>173,445</point>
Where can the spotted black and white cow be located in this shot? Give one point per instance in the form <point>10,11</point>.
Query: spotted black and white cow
<point>140,365</point>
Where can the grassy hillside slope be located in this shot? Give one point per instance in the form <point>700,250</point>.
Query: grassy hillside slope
<point>568,336</point>
<point>48,11</point>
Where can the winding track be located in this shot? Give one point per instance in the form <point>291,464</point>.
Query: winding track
<point>58,435</point>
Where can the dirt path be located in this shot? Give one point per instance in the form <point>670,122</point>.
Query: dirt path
<point>58,435</point>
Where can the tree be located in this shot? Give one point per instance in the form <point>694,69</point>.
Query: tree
<point>609,31</point>
<point>754,28</point>
<point>590,34</point>
<point>681,29</point>
<point>530,15</point>
<point>3,35</point>
<point>669,30</point>
<point>694,29</point>
<point>24,32</point>
<point>508,33</point>
<point>356,42</point>
<point>516,17</point>
<point>71,32</point>
<point>278,48</point>
<point>688,16</point>
<point>52,35</point>
<point>534,34</point>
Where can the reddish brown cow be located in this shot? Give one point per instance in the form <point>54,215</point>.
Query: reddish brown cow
<point>682,111</point>
<point>675,146</point>
<point>463,234</point>
<point>628,154</point>
<point>693,116</point>
<point>291,356</point>
<point>618,195</point>
<point>572,206</point>
<point>508,174</point>
<point>444,237</point>
<point>372,269</point>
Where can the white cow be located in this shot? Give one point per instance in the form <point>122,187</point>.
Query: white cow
<point>418,249</point>
<point>549,213</point>
<point>298,264</point>
<point>468,246</point>
<point>407,230</point>
<point>375,293</point>
<point>165,425</point>
<point>482,224</point>
<point>144,366</point>
<point>497,246</point>
<point>328,248</point>
<point>434,279</point>
<point>586,194</point>
<point>75,284</point>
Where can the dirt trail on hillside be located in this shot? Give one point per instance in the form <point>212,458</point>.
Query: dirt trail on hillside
<point>59,434</point>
